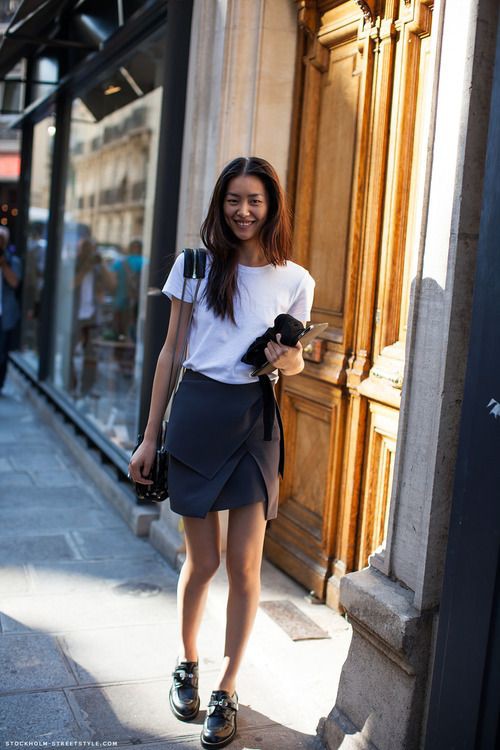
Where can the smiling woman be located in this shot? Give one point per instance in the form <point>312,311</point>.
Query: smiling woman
<point>248,192</point>
<point>245,210</point>
<point>223,453</point>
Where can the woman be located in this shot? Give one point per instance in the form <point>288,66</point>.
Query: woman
<point>91,281</point>
<point>219,458</point>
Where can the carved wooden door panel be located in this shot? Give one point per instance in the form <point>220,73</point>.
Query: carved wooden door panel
<point>358,93</point>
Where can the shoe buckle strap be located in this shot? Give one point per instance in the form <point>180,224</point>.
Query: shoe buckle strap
<point>224,702</point>
<point>182,676</point>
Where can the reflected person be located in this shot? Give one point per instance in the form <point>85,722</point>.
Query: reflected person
<point>10,277</point>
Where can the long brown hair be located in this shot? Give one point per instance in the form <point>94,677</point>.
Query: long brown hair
<point>218,238</point>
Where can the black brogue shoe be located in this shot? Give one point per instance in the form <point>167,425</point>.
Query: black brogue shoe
<point>183,696</point>
<point>219,727</point>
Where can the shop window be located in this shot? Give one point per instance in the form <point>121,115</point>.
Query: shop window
<point>36,241</point>
<point>103,262</point>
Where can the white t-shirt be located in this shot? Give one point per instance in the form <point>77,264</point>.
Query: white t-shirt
<point>87,307</point>
<point>216,346</point>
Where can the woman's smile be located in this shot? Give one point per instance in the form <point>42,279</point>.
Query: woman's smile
<point>246,207</point>
<point>244,223</point>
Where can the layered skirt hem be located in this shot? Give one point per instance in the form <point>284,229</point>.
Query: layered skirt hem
<point>218,458</point>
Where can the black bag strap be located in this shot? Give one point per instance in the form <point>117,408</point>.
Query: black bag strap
<point>194,268</point>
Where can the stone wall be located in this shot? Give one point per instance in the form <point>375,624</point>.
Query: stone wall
<point>393,605</point>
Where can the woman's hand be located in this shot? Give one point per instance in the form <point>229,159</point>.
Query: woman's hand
<point>288,359</point>
<point>142,461</point>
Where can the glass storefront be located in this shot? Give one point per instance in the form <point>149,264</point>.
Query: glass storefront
<point>36,241</point>
<point>103,263</point>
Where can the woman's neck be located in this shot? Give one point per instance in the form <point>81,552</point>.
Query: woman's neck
<point>251,255</point>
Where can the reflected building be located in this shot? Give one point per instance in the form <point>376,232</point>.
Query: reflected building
<point>109,162</point>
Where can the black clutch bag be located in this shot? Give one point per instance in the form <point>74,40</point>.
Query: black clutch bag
<point>158,491</point>
<point>194,268</point>
<point>292,331</point>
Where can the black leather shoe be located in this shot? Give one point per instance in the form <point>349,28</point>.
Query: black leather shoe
<point>219,726</point>
<point>183,696</point>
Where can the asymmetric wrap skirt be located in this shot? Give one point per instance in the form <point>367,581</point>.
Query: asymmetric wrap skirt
<point>218,457</point>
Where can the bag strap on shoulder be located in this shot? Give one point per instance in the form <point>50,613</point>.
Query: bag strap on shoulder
<point>195,261</point>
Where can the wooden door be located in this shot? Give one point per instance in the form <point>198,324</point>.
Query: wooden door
<point>354,184</point>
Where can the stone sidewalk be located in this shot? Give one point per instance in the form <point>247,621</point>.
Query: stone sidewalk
<point>88,620</point>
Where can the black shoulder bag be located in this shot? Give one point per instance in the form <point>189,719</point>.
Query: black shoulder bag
<point>194,268</point>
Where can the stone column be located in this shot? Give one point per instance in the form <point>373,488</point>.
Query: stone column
<point>239,103</point>
<point>393,604</point>
<point>240,90</point>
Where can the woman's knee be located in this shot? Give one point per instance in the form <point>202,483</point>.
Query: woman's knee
<point>202,568</point>
<point>243,575</point>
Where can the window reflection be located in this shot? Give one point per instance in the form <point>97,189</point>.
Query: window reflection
<point>36,243</point>
<point>104,259</point>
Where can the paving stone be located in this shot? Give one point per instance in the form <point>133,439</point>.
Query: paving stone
<point>255,734</point>
<point>32,661</point>
<point>111,544</point>
<point>32,548</point>
<point>51,613</point>
<point>22,437</point>
<point>136,713</point>
<point>39,460</point>
<point>14,580</point>
<point>44,444</point>
<point>55,477</point>
<point>52,497</point>
<point>36,441</point>
<point>14,409</point>
<point>191,742</point>
<point>37,716</point>
<point>5,465</point>
<point>94,575</point>
<point>311,696</point>
<point>151,652</point>
<point>40,521</point>
<point>139,714</point>
<point>98,655</point>
<point>13,479</point>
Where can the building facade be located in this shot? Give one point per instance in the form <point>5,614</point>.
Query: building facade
<point>376,115</point>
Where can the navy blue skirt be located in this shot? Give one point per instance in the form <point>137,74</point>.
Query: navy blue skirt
<point>218,457</point>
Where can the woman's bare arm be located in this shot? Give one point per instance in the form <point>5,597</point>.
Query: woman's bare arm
<point>162,382</point>
<point>171,353</point>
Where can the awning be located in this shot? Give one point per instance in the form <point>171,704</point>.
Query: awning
<point>35,22</point>
<point>46,26</point>
<point>59,35</point>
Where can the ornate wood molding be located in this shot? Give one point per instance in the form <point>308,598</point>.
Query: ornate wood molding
<point>367,10</point>
<point>307,16</point>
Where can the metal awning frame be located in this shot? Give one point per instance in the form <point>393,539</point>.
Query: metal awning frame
<point>49,41</point>
<point>118,47</point>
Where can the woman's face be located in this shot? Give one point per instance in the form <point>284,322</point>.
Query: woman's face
<point>245,206</point>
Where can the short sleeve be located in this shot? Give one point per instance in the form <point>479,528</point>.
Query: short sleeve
<point>175,281</point>
<point>303,300</point>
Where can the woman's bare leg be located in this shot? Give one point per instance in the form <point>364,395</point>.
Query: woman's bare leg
<point>245,540</point>
<point>202,560</point>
